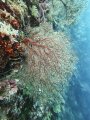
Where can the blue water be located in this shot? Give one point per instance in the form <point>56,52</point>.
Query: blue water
<point>78,101</point>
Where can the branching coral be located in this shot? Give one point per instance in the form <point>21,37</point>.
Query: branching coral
<point>46,51</point>
<point>50,63</point>
<point>43,9</point>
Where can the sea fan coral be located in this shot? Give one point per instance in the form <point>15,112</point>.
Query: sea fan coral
<point>47,51</point>
<point>50,63</point>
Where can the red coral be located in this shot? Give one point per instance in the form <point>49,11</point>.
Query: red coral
<point>15,24</point>
<point>7,44</point>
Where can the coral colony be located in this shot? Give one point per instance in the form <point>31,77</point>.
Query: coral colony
<point>36,62</point>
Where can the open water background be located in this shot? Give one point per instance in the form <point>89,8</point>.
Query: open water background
<point>78,97</point>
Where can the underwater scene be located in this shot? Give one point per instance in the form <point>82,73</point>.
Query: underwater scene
<point>44,59</point>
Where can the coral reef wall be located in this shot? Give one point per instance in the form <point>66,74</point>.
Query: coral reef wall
<point>36,63</point>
